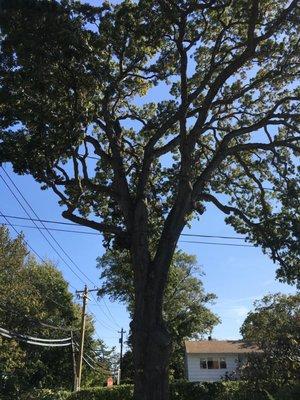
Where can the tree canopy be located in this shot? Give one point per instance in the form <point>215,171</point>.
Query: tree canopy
<point>274,326</point>
<point>138,115</point>
<point>71,77</point>
<point>35,301</point>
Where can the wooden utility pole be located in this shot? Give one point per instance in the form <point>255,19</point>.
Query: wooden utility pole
<point>84,294</point>
<point>82,333</point>
<point>74,362</point>
<point>121,355</point>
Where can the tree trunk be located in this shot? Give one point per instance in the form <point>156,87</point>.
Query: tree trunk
<point>151,350</point>
<point>151,341</point>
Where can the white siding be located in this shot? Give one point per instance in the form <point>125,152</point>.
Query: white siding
<point>197,374</point>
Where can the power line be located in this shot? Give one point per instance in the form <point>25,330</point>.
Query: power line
<point>99,234</point>
<point>35,340</point>
<point>106,306</point>
<point>58,230</point>
<point>180,241</point>
<point>18,233</point>
<point>100,322</point>
<point>217,243</point>
<point>49,221</point>
<point>42,260</point>
<point>95,362</point>
<point>97,368</point>
<point>53,238</point>
<point>40,323</point>
<point>55,302</point>
<point>42,233</point>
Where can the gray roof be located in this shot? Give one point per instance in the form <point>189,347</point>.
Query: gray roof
<point>220,346</point>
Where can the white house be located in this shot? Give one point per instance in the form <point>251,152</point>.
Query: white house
<point>210,360</point>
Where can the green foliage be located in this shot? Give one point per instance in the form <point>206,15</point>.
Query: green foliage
<point>237,390</point>
<point>46,394</point>
<point>36,297</point>
<point>185,305</point>
<point>223,129</point>
<point>74,80</point>
<point>274,326</point>
<point>122,392</point>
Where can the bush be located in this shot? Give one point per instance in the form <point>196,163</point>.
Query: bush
<point>46,394</point>
<point>178,391</point>
<point>214,391</point>
<point>229,390</point>
<point>122,392</point>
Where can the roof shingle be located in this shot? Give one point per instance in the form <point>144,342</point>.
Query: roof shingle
<point>219,346</point>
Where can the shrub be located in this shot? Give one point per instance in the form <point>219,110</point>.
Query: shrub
<point>181,390</point>
<point>122,392</point>
<point>189,391</point>
<point>46,394</point>
<point>229,390</point>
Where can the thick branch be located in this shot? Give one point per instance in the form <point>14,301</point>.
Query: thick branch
<point>99,226</point>
<point>227,209</point>
<point>289,143</point>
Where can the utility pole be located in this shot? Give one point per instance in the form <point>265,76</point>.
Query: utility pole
<point>121,355</point>
<point>84,294</point>
<point>74,362</point>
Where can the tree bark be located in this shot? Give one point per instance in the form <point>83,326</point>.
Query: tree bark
<point>151,341</point>
<point>151,347</point>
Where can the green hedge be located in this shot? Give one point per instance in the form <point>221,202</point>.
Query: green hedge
<point>214,391</point>
<point>193,391</point>
<point>122,392</point>
<point>46,394</point>
<point>178,391</point>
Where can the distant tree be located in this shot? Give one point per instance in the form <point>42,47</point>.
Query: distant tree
<point>223,130</point>
<point>32,295</point>
<point>127,367</point>
<point>274,326</point>
<point>185,306</point>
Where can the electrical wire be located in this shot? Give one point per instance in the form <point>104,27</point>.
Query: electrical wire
<point>217,243</point>
<point>53,238</point>
<point>100,322</point>
<point>180,241</point>
<point>43,261</point>
<point>40,258</point>
<point>106,306</point>
<point>35,340</point>
<point>98,367</point>
<point>40,323</point>
<point>42,233</point>
<point>99,234</point>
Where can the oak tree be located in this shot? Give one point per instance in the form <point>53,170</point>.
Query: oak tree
<point>139,114</point>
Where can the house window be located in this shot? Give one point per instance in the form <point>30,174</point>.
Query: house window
<point>223,363</point>
<point>213,363</point>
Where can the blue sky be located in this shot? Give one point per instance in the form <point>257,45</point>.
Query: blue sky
<point>237,275</point>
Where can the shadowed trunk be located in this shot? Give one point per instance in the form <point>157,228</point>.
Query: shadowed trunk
<point>151,341</point>
<point>151,347</point>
